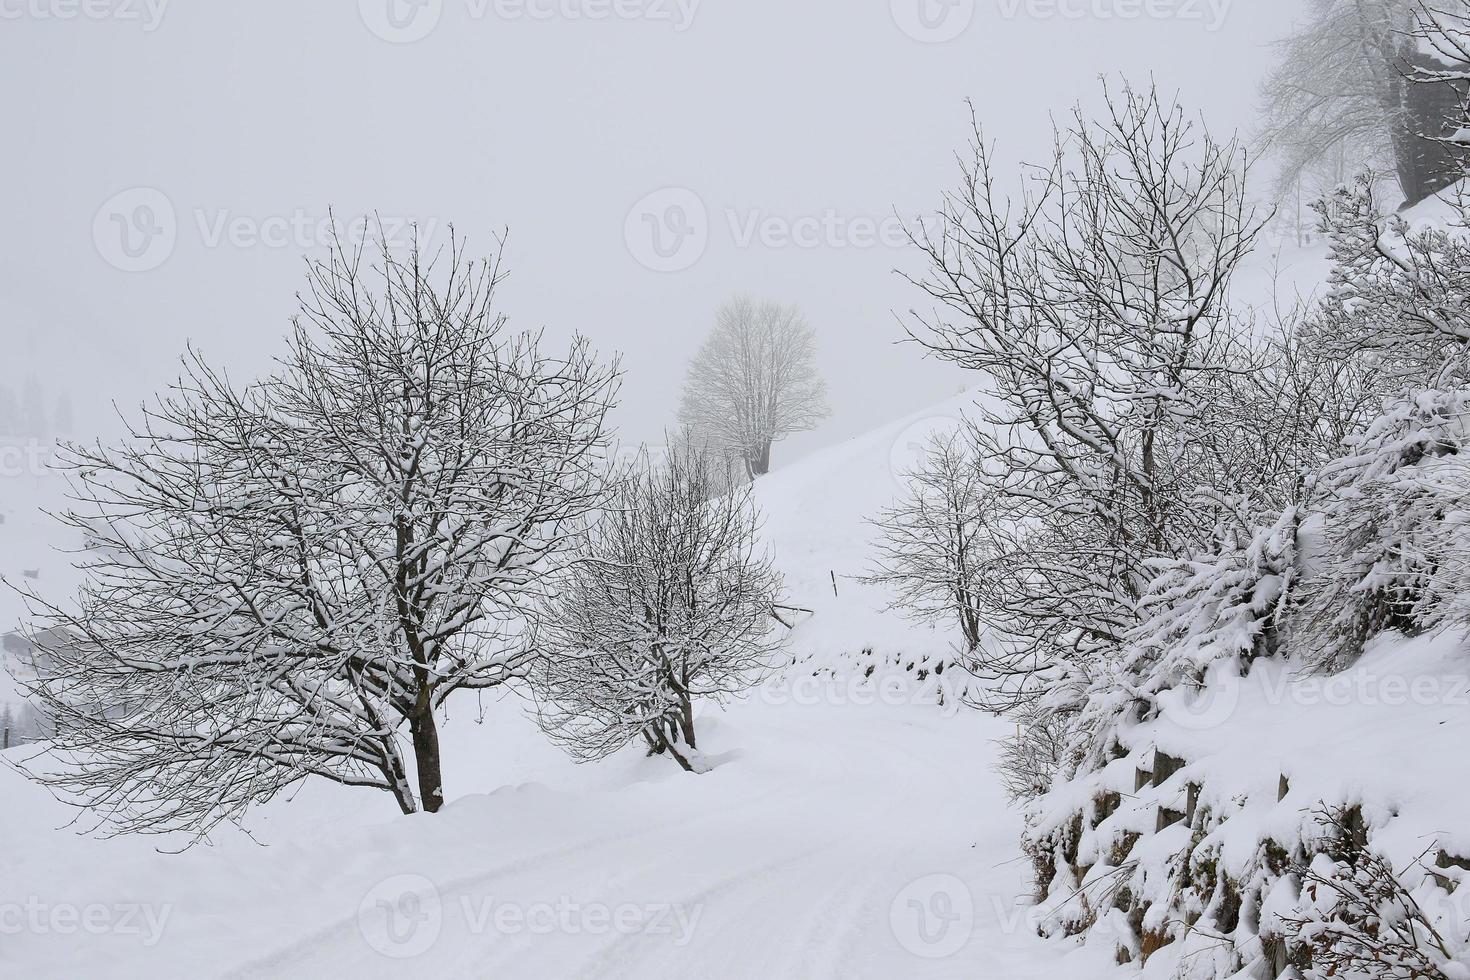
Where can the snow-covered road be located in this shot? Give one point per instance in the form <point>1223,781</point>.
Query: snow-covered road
<point>830,841</point>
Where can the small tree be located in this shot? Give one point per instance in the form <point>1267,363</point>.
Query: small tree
<point>754,381</point>
<point>291,579</point>
<point>935,545</point>
<point>673,604</point>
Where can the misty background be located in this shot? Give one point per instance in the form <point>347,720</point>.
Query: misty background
<point>170,165</point>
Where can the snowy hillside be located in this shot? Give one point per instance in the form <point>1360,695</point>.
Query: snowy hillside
<point>852,825</point>
<point>848,830</point>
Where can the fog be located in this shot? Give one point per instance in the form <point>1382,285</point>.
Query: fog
<point>169,166</point>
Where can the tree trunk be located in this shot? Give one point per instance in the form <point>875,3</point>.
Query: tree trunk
<point>761,464</point>
<point>426,761</point>
<point>398,782</point>
<point>675,735</point>
<point>686,720</point>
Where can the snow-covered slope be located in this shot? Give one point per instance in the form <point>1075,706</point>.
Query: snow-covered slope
<point>841,834</point>
<point>850,828</point>
<point>817,520</point>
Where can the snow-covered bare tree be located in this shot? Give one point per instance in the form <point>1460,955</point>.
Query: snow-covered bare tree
<point>1333,95</point>
<point>673,604</point>
<point>1368,85</point>
<point>1096,303</point>
<point>934,547</point>
<point>1400,296</point>
<point>291,578</point>
<point>754,381</point>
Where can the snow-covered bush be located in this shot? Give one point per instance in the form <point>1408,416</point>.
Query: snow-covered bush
<point>1393,513</point>
<point>1361,919</point>
<point>672,603</point>
<point>1355,529</point>
<point>1399,292</point>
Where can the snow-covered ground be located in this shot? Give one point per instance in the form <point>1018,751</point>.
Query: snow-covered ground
<point>849,829</point>
<point>830,841</point>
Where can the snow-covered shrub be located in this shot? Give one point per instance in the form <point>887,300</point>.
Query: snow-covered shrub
<point>1207,617</point>
<point>1361,919</point>
<point>1029,759</point>
<point>1399,293</point>
<point>1216,611</point>
<point>672,604</point>
<point>1181,503</point>
<point>1374,540</point>
<point>1393,514</point>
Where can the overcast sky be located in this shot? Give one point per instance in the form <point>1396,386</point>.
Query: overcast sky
<point>168,165</point>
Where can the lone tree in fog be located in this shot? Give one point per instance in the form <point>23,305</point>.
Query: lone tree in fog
<point>290,579</point>
<point>754,381</point>
<point>673,604</point>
